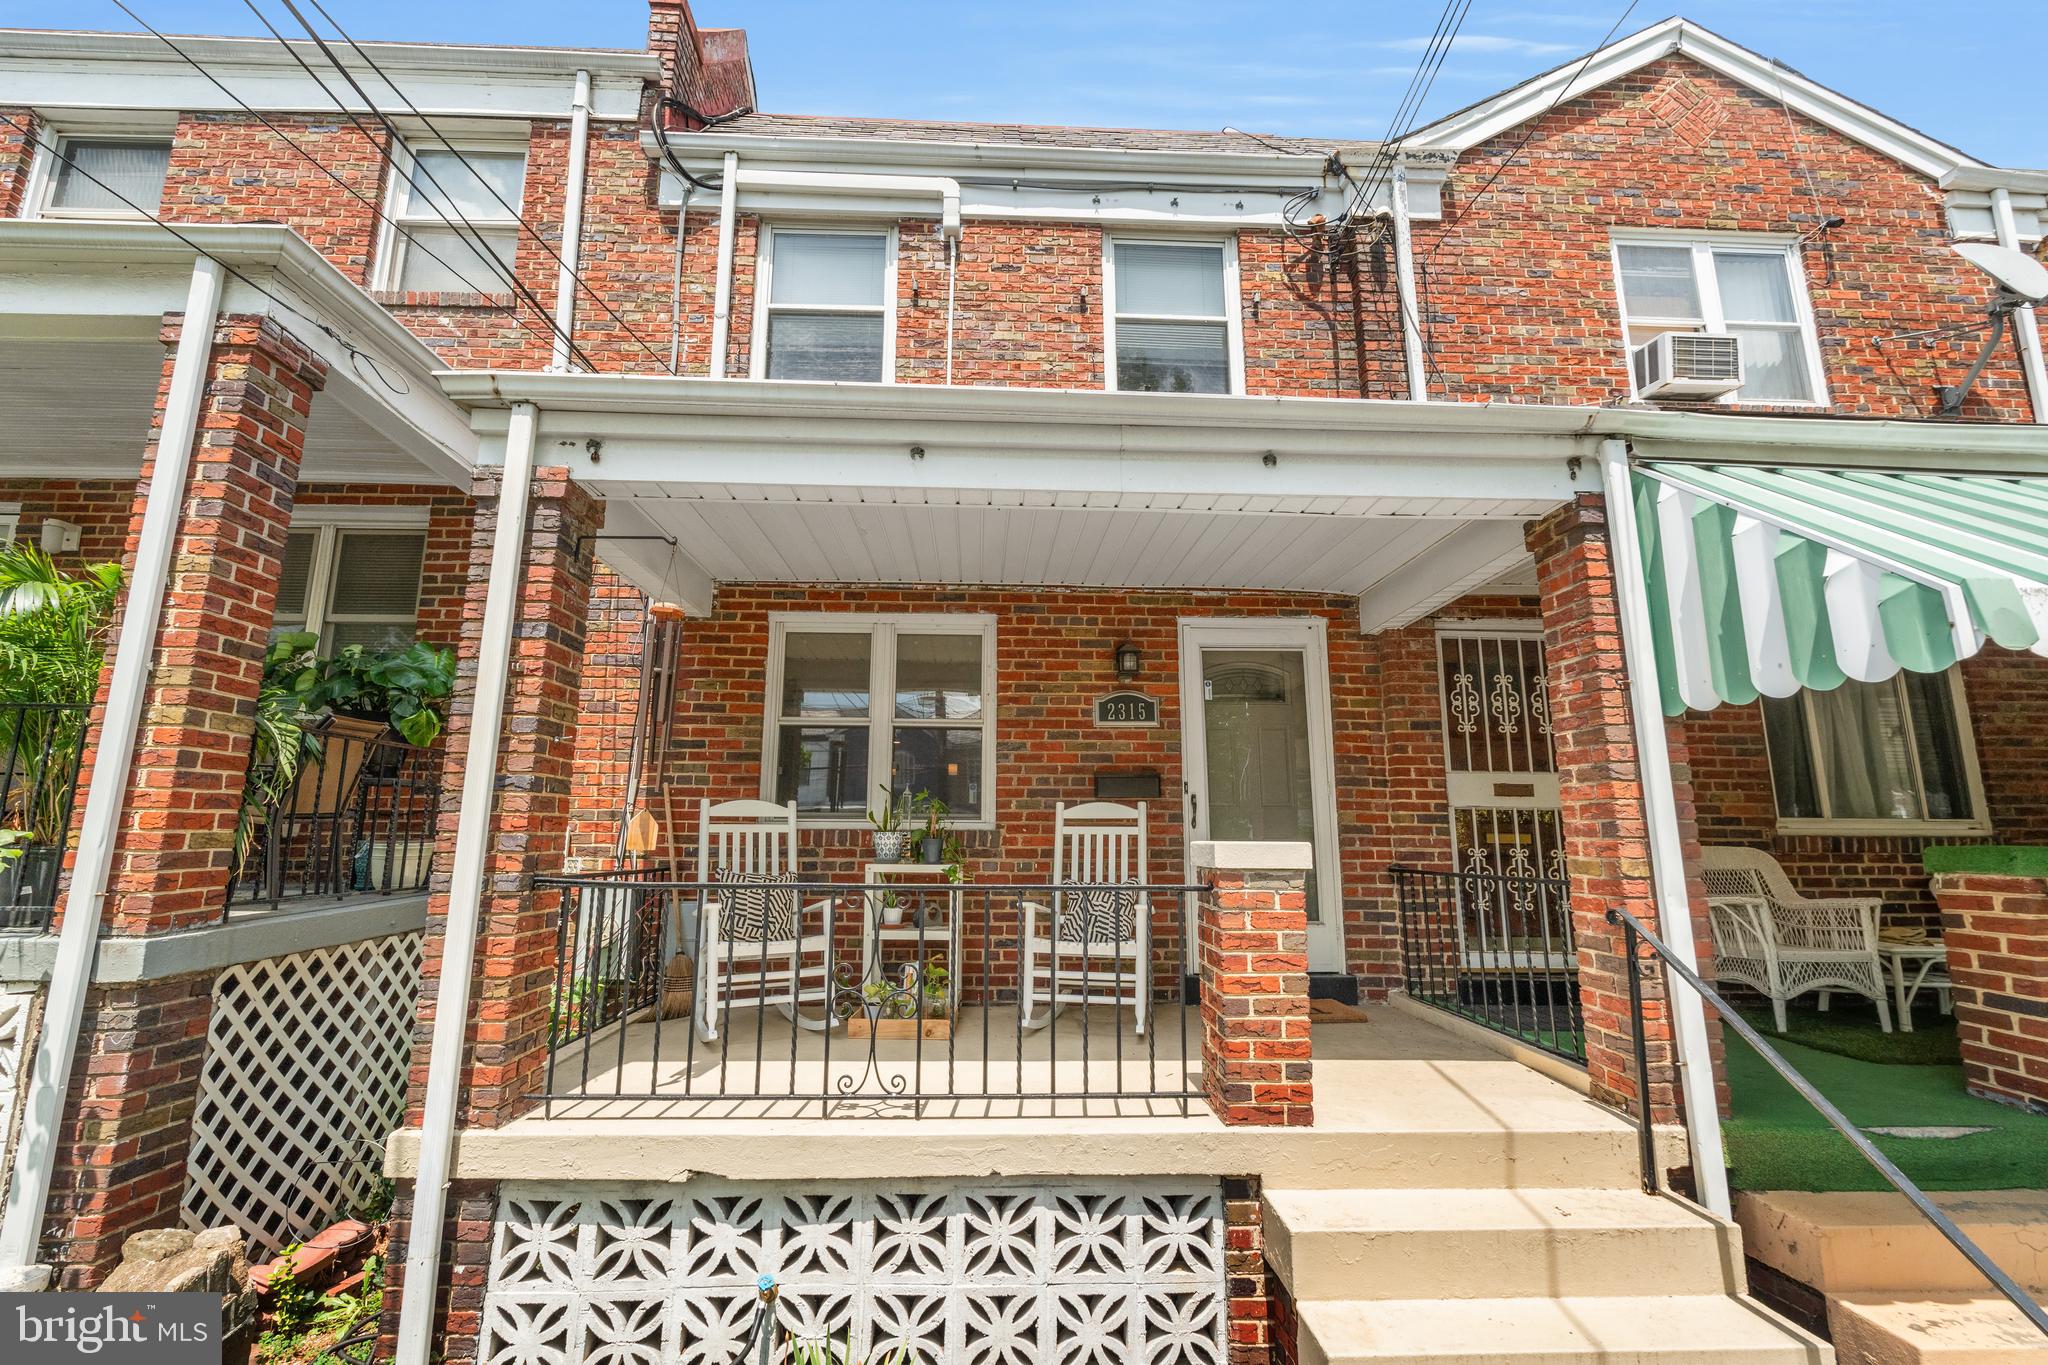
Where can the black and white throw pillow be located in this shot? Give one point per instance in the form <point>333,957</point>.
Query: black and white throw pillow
<point>1098,912</point>
<point>757,906</point>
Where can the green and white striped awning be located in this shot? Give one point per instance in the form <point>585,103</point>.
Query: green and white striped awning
<point>1766,580</point>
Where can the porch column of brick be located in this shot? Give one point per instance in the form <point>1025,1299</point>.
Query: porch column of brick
<point>120,1160</point>
<point>1994,924</point>
<point>528,834</point>
<point>1253,967</point>
<point>1605,835</point>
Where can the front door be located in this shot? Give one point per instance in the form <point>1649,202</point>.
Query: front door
<point>1255,698</point>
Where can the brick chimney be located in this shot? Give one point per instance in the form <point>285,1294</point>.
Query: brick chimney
<point>706,68</point>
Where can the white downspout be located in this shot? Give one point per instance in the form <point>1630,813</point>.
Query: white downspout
<point>1404,290</point>
<point>721,308</point>
<point>1660,811</point>
<point>572,223</point>
<point>71,972</point>
<point>675,287</point>
<point>465,894</point>
<point>952,275</point>
<point>2024,322</point>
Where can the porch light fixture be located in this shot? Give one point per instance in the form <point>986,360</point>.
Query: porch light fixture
<point>1127,660</point>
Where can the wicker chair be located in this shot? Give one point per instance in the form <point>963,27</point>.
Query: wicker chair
<point>1769,937</point>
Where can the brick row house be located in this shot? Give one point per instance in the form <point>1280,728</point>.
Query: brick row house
<point>1302,586</point>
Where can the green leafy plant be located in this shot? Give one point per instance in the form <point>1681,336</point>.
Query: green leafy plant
<point>955,858</point>
<point>894,814</point>
<point>406,688</point>
<point>825,1352</point>
<point>54,628</point>
<point>11,841</point>
<point>932,810</point>
<point>293,1305</point>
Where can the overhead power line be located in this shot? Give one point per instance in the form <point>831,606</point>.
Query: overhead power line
<point>475,240</point>
<point>491,189</point>
<point>412,242</point>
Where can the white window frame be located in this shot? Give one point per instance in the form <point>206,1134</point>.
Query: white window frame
<point>1973,778</point>
<point>881,631</point>
<point>10,522</point>
<point>764,290</point>
<point>1712,320</point>
<point>1233,312</point>
<point>392,244</point>
<point>54,143</point>
<point>329,525</point>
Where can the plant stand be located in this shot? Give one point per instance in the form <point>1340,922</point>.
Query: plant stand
<point>885,1029</point>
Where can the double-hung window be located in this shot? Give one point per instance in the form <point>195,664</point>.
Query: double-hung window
<point>1172,321</point>
<point>857,703</point>
<point>454,220</point>
<point>1756,293</point>
<point>106,177</point>
<point>829,313</point>
<point>1876,757</point>
<point>351,584</point>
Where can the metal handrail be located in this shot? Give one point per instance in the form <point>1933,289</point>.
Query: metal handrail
<point>1635,930</point>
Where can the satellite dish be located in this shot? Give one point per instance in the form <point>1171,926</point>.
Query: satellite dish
<point>2015,272</point>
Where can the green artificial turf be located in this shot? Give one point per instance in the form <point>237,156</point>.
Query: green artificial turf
<point>1778,1141</point>
<point>1850,1029</point>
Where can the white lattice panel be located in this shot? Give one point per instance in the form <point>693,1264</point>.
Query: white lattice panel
<point>17,1003</point>
<point>306,1060</point>
<point>1129,1273</point>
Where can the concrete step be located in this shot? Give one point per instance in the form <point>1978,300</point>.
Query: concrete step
<point>1939,1329</point>
<point>1708,1329</point>
<point>1850,1243</point>
<point>1495,1244</point>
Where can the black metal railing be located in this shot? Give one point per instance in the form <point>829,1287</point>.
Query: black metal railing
<point>41,747</point>
<point>1635,936</point>
<point>357,819</point>
<point>1494,950</point>
<point>889,998</point>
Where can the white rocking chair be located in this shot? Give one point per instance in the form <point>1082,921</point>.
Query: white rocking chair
<point>1774,940</point>
<point>788,973</point>
<point>1097,844</point>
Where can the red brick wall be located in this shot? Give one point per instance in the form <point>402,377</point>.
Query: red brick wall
<point>1020,320</point>
<point>2007,694</point>
<point>1996,932</point>
<point>1521,299</point>
<point>98,507</point>
<point>605,711</point>
<point>444,571</point>
<point>1053,660</point>
<point>17,155</point>
<point>226,168</point>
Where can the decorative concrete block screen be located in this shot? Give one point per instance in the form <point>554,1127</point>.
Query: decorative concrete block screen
<point>305,1073</point>
<point>1116,1273</point>
<point>17,1003</point>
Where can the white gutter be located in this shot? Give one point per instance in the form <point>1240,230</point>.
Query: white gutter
<point>2024,323</point>
<point>572,223</point>
<point>1404,290</point>
<point>465,895</point>
<point>836,182</point>
<point>71,973</point>
<point>1660,812</point>
<point>721,308</point>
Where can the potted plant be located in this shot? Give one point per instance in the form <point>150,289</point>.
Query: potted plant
<point>892,909</point>
<point>888,823</point>
<point>918,1004</point>
<point>931,810</point>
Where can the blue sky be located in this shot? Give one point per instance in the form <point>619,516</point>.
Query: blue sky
<point>1208,63</point>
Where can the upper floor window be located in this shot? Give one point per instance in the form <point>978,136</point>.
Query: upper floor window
<point>829,306</point>
<point>1754,293</point>
<point>106,177</point>
<point>434,253</point>
<point>1874,757</point>
<point>859,703</point>
<point>351,585</point>
<point>1172,320</point>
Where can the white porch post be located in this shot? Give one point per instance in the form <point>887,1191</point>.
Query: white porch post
<point>1660,814</point>
<point>465,895</point>
<point>71,973</point>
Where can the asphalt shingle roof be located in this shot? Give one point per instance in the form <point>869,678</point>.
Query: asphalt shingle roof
<point>1015,134</point>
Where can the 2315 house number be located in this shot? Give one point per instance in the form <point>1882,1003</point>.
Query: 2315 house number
<point>1127,709</point>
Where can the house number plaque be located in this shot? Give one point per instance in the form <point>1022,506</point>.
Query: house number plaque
<point>1127,710</point>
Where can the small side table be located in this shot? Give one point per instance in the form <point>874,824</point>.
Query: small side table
<point>874,935</point>
<point>1913,966</point>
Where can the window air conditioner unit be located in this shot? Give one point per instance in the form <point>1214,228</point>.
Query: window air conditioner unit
<point>1688,365</point>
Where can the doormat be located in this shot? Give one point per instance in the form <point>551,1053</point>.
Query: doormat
<point>1334,1012</point>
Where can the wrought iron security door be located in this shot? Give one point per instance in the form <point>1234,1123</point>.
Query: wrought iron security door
<point>1502,778</point>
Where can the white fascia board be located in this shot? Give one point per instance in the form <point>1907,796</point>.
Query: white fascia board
<point>706,152</point>
<point>1998,448</point>
<point>1511,108</point>
<point>1984,179</point>
<point>55,71</point>
<point>111,269</point>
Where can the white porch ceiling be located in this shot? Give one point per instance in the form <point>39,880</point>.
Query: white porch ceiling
<point>78,408</point>
<point>739,533</point>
